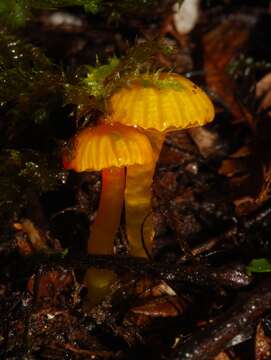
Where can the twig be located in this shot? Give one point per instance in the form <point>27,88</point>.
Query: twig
<point>200,275</point>
<point>207,344</point>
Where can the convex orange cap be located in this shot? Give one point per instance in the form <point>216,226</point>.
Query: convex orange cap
<point>107,145</point>
<point>163,102</point>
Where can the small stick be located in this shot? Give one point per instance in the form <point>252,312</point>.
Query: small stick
<point>206,344</point>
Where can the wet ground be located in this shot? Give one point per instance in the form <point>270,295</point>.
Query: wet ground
<point>194,298</point>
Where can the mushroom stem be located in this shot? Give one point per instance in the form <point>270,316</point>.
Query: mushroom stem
<point>157,139</point>
<point>138,194</point>
<point>107,220</point>
<point>103,231</point>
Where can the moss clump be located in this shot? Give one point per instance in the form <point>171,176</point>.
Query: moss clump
<point>27,78</point>
<point>103,80</point>
<point>21,170</point>
<point>154,81</point>
<point>96,77</point>
<point>17,12</point>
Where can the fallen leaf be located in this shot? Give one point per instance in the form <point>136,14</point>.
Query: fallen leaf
<point>263,92</point>
<point>54,287</point>
<point>262,344</point>
<point>28,237</point>
<point>222,356</point>
<point>161,307</point>
<point>220,46</point>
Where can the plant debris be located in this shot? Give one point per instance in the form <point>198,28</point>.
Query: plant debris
<point>204,291</point>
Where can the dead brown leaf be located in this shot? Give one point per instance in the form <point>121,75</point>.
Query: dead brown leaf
<point>161,307</point>
<point>262,344</point>
<point>28,237</point>
<point>222,356</point>
<point>220,46</point>
<point>206,141</point>
<point>53,288</point>
<point>263,92</point>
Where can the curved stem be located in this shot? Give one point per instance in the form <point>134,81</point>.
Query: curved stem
<point>107,221</point>
<point>103,231</point>
<point>139,222</point>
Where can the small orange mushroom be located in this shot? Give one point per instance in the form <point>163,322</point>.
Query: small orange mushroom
<point>157,103</point>
<point>109,148</point>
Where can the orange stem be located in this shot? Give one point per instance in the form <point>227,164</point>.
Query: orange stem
<point>103,231</point>
<point>107,221</point>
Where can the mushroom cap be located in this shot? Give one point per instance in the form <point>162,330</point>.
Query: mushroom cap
<point>163,102</point>
<point>106,146</point>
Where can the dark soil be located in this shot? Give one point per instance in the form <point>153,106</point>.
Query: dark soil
<point>194,298</point>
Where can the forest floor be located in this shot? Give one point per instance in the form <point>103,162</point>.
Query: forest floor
<point>205,291</point>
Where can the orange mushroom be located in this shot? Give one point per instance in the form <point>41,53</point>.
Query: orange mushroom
<point>109,148</point>
<point>158,103</point>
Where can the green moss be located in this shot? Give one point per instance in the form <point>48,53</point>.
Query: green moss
<point>259,266</point>
<point>161,84</point>
<point>30,83</point>
<point>95,80</point>
<point>17,12</point>
<point>21,170</point>
<point>14,12</point>
<point>29,167</point>
<point>91,6</point>
<point>139,61</point>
